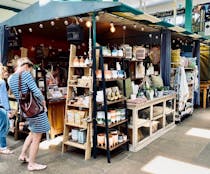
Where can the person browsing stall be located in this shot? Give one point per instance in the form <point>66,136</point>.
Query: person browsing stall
<point>38,124</point>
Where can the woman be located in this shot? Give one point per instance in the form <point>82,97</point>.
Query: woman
<point>4,112</point>
<point>37,125</point>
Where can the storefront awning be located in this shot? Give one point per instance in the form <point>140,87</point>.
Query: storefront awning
<point>56,9</point>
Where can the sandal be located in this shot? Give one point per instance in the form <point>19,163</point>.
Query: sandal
<point>23,159</point>
<point>6,151</point>
<point>36,167</point>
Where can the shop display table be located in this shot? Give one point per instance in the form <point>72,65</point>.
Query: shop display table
<point>56,112</point>
<point>151,119</point>
<point>204,86</point>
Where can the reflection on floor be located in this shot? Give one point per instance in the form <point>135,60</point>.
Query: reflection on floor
<point>173,167</point>
<point>203,133</point>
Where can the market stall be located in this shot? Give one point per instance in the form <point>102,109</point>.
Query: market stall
<point>124,36</point>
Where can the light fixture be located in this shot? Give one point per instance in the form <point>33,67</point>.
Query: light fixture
<point>66,22</point>
<point>173,41</point>
<point>134,26</point>
<point>156,37</point>
<point>19,30</point>
<point>41,26</point>
<point>142,28</point>
<point>88,24</point>
<point>150,35</point>
<point>97,18</point>
<point>124,27</point>
<point>52,23</point>
<point>112,29</point>
<point>30,30</point>
<point>80,19</point>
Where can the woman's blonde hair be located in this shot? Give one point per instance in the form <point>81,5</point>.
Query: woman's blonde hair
<point>24,60</point>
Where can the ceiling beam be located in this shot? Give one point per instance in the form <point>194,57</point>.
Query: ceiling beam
<point>10,8</point>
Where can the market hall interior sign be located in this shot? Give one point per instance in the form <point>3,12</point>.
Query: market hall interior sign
<point>169,13</point>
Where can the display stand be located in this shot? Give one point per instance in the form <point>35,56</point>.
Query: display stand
<point>78,116</point>
<point>150,120</point>
<point>189,106</point>
<point>103,137</point>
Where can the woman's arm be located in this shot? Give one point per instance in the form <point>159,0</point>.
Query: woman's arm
<point>4,101</point>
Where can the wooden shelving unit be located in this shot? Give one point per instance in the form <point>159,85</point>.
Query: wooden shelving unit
<point>188,108</point>
<point>77,108</point>
<point>144,131</point>
<point>105,106</point>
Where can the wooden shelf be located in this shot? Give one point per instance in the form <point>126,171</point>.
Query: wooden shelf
<point>75,144</point>
<point>140,123</point>
<point>131,60</point>
<point>172,110</point>
<point>114,147</point>
<point>113,102</point>
<point>148,123</point>
<point>78,106</point>
<point>157,117</point>
<point>78,86</point>
<point>86,71</point>
<point>76,125</point>
<point>114,124</point>
<point>71,66</point>
<point>112,79</point>
<point>114,57</point>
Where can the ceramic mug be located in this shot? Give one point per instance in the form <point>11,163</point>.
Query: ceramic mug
<point>120,73</point>
<point>82,136</point>
<point>74,134</point>
<point>114,73</point>
<point>100,117</point>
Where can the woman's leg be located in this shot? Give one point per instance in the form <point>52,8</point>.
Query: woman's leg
<point>3,143</point>
<point>32,165</point>
<point>25,147</point>
<point>3,146</point>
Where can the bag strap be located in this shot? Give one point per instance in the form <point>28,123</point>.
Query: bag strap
<point>19,83</point>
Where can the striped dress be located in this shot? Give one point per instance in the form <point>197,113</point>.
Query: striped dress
<point>39,124</point>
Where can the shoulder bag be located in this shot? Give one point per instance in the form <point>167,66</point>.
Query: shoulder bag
<point>29,104</point>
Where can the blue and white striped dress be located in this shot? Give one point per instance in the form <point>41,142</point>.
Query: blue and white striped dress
<point>39,124</point>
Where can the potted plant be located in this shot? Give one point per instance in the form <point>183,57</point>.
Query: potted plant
<point>160,90</point>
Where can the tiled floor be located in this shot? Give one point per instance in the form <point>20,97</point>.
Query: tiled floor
<point>183,150</point>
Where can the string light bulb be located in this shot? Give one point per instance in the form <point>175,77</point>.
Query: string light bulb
<point>88,24</point>
<point>142,28</point>
<point>19,30</point>
<point>124,27</point>
<point>41,26</point>
<point>66,22</point>
<point>134,26</point>
<point>112,29</point>
<point>97,18</point>
<point>30,30</point>
<point>80,19</point>
<point>52,23</point>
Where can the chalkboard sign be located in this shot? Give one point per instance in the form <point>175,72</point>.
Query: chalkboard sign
<point>14,40</point>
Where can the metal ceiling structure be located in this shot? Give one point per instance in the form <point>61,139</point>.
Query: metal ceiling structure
<point>9,8</point>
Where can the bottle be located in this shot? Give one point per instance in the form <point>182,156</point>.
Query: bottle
<point>140,70</point>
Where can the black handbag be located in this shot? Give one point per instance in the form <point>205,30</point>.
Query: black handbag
<point>29,105</point>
